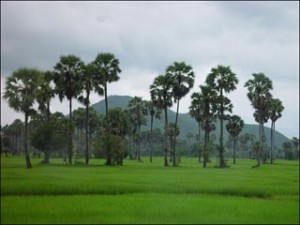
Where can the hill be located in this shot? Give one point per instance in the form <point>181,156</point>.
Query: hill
<point>186,123</point>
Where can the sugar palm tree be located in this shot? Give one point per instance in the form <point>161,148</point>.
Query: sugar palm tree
<point>234,127</point>
<point>20,93</point>
<point>89,83</point>
<point>196,111</point>
<point>138,111</point>
<point>44,93</point>
<point>161,96</point>
<point>66,78</point>
<point>107,70</point>
<point>222,80</point>
<point>259,95</point>
<point>275,110</point>
<point>208,100</point>
<point>182,76</point>
<point>153,111</point>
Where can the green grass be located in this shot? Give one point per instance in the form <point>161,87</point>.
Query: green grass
<point>149,193</point>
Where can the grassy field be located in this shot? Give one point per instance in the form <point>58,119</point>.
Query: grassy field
<point>140,192</point>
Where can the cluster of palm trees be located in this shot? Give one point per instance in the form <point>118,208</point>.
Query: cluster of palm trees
<point>71,78</point>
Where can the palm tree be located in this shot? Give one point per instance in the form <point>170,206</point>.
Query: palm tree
<point>259,94</point>
<point>183,81</point>
<point>234,127</point>
<point>208,100</point>
<point>196,111</point>
<point>89,83</point>
<point>66,78</point>
<point>107,69</point>
<point>222,80</point>
<point>44,93</point>
<point>79,120</point>
<point>275,110</point>
<point>161,96</point>
<point>153,111</point>
<point>20,92</point>
<point>138,110</point>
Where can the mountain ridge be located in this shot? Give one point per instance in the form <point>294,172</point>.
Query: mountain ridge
<point>186,123</point>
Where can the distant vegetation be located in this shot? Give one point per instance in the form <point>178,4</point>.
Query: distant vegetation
<point>140,128</point>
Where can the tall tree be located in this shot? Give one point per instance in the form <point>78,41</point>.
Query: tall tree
<point>45,93</point>
<point>234,127</point>
<point>138,110</point>
<point>153,111</point>
<point>161,95</point>
<point>66,78</point>
<point>107,70</point>
<point>222,80</point>
<point>259,94</point>
<point>208,99</point>
<point>182,76</point>
<point>89,83</point>
<point>196,111</point>
<point>20,93</point>
<point>275,110</point>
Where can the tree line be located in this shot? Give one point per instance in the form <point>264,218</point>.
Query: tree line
<point>119,131</point>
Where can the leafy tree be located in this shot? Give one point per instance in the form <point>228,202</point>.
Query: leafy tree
<point>182,76</point>
<point>288,150</point>
<point>153,111</point>
<point>113,143</point>
<point>172,132</point>
<point>234,127</point>
<point>247,140</point>
<point>20,92</point>
<point>79,120</point>
<point>295,142</point>
<point>107,69</point>
<point>259,95</point>
<point>161,96</point>
<point>222,80</point>
<point>48,135</point>
<point>66,78</point>
<point>196,111</point>
<point>138,110</point>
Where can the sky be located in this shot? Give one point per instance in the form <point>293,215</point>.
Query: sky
<point>146,37</point>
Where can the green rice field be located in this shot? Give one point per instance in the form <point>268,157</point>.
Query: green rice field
<point>144,192</point>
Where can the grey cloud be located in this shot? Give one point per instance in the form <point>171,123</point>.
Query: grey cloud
<point>149,36</point>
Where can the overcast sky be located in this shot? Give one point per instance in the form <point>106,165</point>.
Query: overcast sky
<point>146,37</point>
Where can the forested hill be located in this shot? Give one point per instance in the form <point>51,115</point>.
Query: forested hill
<point>185,121</point>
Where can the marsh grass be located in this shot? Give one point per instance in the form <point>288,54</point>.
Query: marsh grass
<point>140,192</point>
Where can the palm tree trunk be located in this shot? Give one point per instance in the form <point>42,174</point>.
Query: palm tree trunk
<point>106,101</point>
<point>70,145</point>
<point>174,144</point>
<point>108,155</point>
<point>199,150</point>
<point>272,140</point>
<point>166,138</point>
<point>138,143</point>
<point>27,157</point>
<point>87,130</point>
<point>151,144</point>
<point>221,147</point>
<point>205,158</point>
<point>234,149</point>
